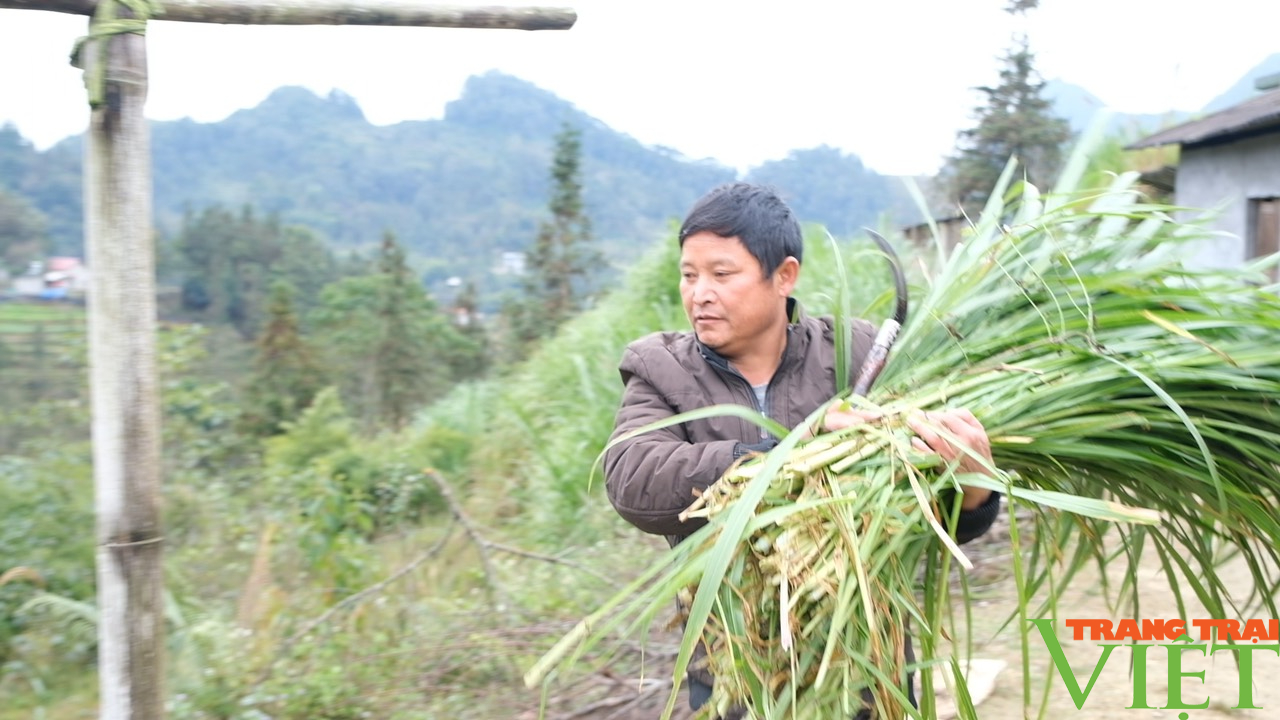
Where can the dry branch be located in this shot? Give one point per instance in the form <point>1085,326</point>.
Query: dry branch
<point>335,12</point>
<point>547,558</point>
<point>366,592</point>
<point>21,572</point>
<point>482,545</point>
<point>621,703</point>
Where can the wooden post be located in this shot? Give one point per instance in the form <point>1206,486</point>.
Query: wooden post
<point>123,385</point>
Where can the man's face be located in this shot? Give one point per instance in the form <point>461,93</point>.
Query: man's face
<point>729,301</point>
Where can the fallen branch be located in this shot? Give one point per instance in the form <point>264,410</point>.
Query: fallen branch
<point>491,545</point>
<point>553,559</point>
<point>482,545</point>
<point>21,572</point>
<point>621,703</point>
<point>371,590</point>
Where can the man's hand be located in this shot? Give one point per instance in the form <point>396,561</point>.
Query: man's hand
<point>839,418</point>
<point>960,423</point>
<point>968,433</point>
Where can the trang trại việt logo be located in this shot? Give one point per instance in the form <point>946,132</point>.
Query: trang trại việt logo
<point>1164,640</point>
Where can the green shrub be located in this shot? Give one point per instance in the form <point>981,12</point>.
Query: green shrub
<point>41,501</point>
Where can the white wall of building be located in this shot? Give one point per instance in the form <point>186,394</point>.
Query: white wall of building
<point>1224,178</point>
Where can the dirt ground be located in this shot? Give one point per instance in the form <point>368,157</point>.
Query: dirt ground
<point>1112,693</point>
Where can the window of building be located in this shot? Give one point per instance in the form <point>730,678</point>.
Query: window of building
<point>1264,230</point>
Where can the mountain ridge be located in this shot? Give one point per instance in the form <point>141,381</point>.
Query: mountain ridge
<point>458,191</point>
<point>1079,106</point>
<point>464,188</point>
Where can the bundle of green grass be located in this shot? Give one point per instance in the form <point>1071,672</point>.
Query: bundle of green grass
<point>1123,393</point>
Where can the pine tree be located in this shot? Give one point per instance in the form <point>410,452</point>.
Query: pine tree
<point>391,347</point>
<point>1015,121</point>
<point>22,233</point>
<point>558,267</point>
<point>470,359</point>
<point>286,376</point>
<point>403,376</point>
<point>227,261</point>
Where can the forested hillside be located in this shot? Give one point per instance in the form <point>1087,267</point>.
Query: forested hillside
<point>460,190</point>
<point>40,192</point>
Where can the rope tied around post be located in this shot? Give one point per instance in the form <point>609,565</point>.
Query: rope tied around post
<point>106,23</point>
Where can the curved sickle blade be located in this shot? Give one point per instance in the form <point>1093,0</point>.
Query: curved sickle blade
<point>879,353</point>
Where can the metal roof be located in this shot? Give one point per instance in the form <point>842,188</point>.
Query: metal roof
<point>1257,115</point>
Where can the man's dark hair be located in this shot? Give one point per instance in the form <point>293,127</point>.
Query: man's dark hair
<point>752,213</point>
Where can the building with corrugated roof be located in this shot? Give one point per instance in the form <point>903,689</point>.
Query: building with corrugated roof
<point>1230,163</point>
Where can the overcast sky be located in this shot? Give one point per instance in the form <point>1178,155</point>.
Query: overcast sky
<point>739,81</point>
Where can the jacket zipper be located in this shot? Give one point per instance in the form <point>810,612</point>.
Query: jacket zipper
<point>751,391</point>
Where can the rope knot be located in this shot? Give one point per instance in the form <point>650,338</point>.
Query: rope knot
<point>106,23</point>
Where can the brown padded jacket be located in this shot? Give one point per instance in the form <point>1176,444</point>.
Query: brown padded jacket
<point>652,477</point>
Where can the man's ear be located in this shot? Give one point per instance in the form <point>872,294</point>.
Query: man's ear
<point>785,277</point>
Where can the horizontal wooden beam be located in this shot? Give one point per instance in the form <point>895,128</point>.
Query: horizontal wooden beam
<point>335,12</point>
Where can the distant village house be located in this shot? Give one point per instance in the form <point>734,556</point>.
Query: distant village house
<point>950,232</point>
<point>57,278</point>
<point>511,262</point>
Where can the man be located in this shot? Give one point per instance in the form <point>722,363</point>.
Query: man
<point>740,256</point>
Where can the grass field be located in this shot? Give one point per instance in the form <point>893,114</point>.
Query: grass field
<point>42,350</point>
<point>21,318</point>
